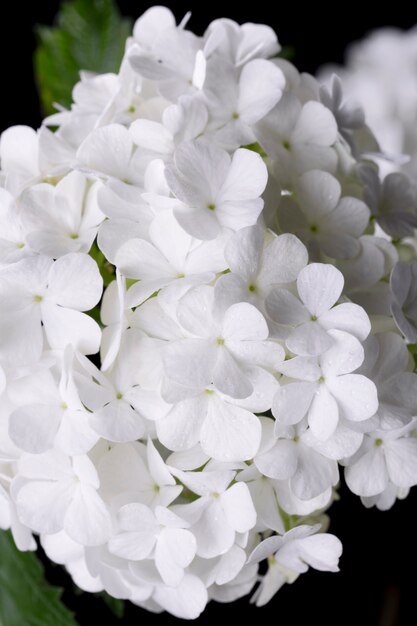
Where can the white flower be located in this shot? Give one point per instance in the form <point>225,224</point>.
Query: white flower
<point>393,202</point>
<point>154,468</point>
<point>108,151</point>
<point>38,291</point>
<point>177,61</point>
<point>384,456</point>
<point>19,156</point>
<point>227,429</point>
<point>170,256</point>
<point>130,468</point>
<point>326,222</point>
<point>404,298</point>
<point>216,191</point>
<point>257,263</point>
<point>387,365</point>
<point>183,121</point>
<point>50,413</point>
<point>328,391</point>
<point>219,349</point>
<point>298,138</point>
<point>118,402</point>
<point>243,42</point>
<point>219,513</point>
<point>319,288</point>
<point>143,531</point>
<point>291,555</point>
<point>348,114</point>
<point>62,219</point>
<point>13,240</point>
<point>238,98</point>
<point>293,458</point>
<point>54,493</point>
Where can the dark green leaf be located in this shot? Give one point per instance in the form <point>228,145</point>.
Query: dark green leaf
<point>88,35</point>
<point>107,270</point>
<point>26,599</point>
<point>287,53</point>
<point>116,606</point>
<point>412,348</point>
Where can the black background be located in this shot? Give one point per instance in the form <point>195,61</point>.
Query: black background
<point>377,582</point>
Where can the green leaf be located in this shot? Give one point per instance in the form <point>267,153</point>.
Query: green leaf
<point>256,147</point>
<point>107,270</point>
<point>26,599</point>
<point>88,35</point>
<point>116,606</point>
<point>412,348</point>
<point>287,53</point>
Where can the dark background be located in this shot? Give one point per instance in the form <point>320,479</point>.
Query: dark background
<point>377,582</point>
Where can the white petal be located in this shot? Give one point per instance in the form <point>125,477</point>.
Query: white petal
<point>280,462</point>
<point>356,396</point>
<point>238,507</point>
<point>153,23</point>
<point>140,259</point>
<point>314,475</point>
<point>213,533</point>
<point>43,505</point>
<point>75,282</point>
<point>191,362</point>
<point>319,286</point>
<point>157,467</point>
<point>292,401</point>
<point>243,251</point>
<point>180,429</point>
<point>136,517</point>
<point>318,194</point>
<point>134,546</point>
<point>368,476</point>
<point>349,317</point>
<point>19,150</point>
<point>230,433</point>
<point>87,520</point>
<point>187,601</point>
<point>199,73</point>
<point>345,355</point>
<point>316,125</point>
<point>301,368</point>
<point>266,548</point>
<point>33,428</point>
<point>283,259</point>
<point>401,459</point>
<point>108,150</point>
<point>321,551</point>
<point>117,421</point>
<point>260,87</point>
<point>246,178</point>
<point>243,322</point>
<point>285,308</point>
<point>175,550</point>
<point>228,377</point>
<point>309,339</point>
<point>323,415</point>
<point>199,223</point>
<point>66,326</point>
<point>152,135</point>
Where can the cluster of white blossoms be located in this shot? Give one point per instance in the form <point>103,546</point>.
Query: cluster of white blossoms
<point>250,341</point>
<point>381,75</point>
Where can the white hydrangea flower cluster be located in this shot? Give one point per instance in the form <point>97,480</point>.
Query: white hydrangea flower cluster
<point>247,344</point>
<point>380,74</point>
